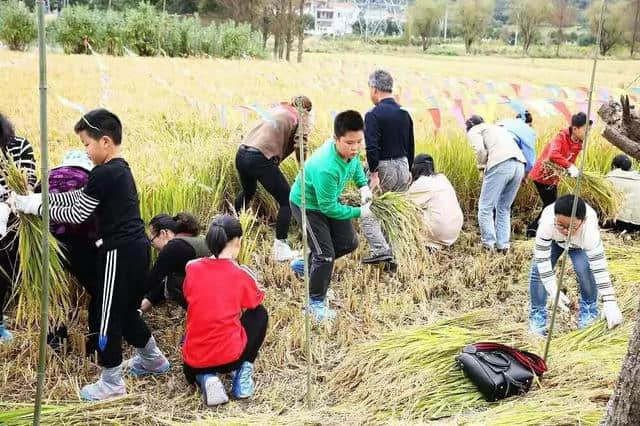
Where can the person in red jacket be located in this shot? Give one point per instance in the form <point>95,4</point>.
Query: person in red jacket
<point>563,150</point>
<point>226,323</point>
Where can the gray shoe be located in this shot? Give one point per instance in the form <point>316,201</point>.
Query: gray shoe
<point>377,258</point>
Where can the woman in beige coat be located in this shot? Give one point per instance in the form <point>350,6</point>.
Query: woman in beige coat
<point>433,193</point>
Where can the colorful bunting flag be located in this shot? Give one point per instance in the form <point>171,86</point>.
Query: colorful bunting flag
<point>458,103</point>
<point>435,116</point>
<point>560,106</point>
<point>459,116</point>
<point>516,88</point>
<point>517,106</point>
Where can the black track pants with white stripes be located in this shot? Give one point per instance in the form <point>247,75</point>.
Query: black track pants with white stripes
<point>123,272</point>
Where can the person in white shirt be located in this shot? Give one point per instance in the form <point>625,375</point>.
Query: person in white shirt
<point>588,259</point>
<point>627,181</point>
<point>435,195</point>
<point>501,164</point>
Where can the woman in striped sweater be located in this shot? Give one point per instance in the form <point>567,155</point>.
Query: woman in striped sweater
<point>588,259</point>
<point>19,150</point>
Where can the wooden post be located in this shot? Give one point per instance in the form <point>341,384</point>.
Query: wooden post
<point>44,318</point>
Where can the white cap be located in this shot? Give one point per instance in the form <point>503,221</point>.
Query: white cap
<point>77,158</point>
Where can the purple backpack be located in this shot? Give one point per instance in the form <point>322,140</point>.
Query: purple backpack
<point>66,179</point>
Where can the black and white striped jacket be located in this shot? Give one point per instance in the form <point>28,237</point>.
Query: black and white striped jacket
<point>20,151</point>
<point>587,238</point>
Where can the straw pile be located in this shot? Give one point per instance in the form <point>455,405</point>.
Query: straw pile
<point>28,283</point>
<point>414,377</point>
<point>414,371</point>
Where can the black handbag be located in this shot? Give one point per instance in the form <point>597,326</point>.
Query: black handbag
<point>499,371</point>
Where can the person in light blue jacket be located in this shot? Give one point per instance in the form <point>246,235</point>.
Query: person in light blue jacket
<point>524,135</point>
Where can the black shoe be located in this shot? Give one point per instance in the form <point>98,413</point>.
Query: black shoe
<point>504,251</point>
<point>391,266</point>
<point>56,339</point>
<point>378,258</point>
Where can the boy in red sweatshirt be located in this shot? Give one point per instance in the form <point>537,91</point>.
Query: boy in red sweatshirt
<point>563,150</point>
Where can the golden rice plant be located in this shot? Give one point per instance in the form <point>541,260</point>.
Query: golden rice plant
<point>250,234</point>
<point>402,224</point>
<point>595,189</point>
<point>28,284</point>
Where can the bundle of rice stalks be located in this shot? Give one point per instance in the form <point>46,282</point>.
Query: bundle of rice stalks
<point>28,282</point>
<point>117,411</point>
<point>596,190</point>
<point>250,234</point>
<point>413,372</point>
<point>402,224</point>
<point>545,407</point>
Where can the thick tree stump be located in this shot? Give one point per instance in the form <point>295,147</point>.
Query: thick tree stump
<point>624,405</point>
<point>623,126</point>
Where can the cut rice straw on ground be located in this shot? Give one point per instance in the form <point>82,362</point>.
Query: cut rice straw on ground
<point>28,283</point>
<point>420,362</point>
<point>596,190</point>
<point>414,371</point>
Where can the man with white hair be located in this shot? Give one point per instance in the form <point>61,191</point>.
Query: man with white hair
<point>390,151</point>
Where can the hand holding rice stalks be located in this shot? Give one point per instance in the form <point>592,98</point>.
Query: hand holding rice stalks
<point>28,282</point>
<point>596,190</point>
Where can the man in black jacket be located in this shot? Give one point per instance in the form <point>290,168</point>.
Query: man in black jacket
<point>390,151</point>
<point>388,136</point>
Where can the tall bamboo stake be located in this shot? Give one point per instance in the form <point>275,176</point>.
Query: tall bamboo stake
<point>44,161</point>
<point>563,260</point>
<point>305,251</point>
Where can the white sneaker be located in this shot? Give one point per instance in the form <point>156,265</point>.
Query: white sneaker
<point>282,252</point>
<point>213,392</point>
<point>110,385</point>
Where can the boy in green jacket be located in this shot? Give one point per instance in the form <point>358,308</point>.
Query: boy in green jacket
<point>331,233</point>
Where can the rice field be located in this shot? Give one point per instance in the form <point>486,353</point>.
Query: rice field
<point>377,363</point>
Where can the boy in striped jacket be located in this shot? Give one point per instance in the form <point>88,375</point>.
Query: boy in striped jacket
<point>588,259</point>
<point>123,252</point>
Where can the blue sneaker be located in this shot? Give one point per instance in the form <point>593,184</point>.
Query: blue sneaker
<point>213,392</point>
<point>243,386</point>
<point>538,321</point>
<point>5,335</point>
<point>321,311</point>
<point>297,266</point>
<point>588,314</point>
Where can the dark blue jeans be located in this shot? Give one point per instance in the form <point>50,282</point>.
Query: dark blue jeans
<point>586,280</point>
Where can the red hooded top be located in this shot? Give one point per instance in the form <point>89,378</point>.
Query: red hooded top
<point>561,150</point>
<point>217,291</point>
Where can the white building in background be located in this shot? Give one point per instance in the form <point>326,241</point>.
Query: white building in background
<point>338,17</point>
<point>332,17</point>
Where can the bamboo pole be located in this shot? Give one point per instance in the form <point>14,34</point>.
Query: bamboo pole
<point>44,161</point>
<point>563,259</point>
<point>305,253</point>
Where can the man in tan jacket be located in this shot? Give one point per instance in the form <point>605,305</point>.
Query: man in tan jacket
<point>258,159</point>
<point>627,181</point>
<point>501,165</point>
